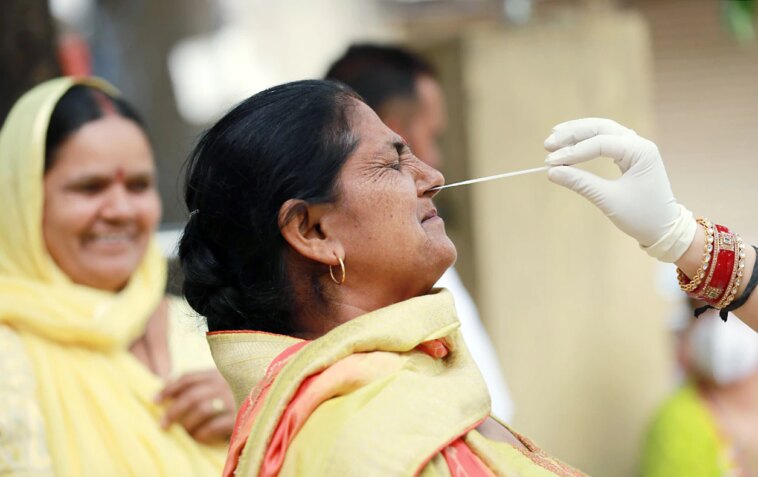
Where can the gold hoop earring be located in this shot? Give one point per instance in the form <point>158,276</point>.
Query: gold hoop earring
<point>342,267</point>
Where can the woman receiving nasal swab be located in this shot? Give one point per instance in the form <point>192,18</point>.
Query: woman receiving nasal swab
<point>312,248</point>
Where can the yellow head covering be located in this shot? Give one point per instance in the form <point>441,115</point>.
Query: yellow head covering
<point>95,397</point>
<point>40,298</point>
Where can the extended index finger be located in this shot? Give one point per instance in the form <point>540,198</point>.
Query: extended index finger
<point>577,130</point>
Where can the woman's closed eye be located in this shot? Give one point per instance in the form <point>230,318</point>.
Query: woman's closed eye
<point>398,164</point>
<point>403,155</point>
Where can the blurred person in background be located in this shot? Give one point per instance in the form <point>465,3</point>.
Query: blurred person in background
<point>709,427</point>
<point>101,372</point>
<point>404,91</point>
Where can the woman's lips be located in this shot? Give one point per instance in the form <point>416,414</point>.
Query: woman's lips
<point>430,215</point>
<point>111,241</point>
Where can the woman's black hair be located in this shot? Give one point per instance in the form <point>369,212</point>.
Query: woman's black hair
<point>287,142</point>
<point>80,105</point>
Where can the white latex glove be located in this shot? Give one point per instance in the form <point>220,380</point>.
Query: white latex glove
<point>640,202</point>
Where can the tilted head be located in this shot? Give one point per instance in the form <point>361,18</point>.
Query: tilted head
<point>287,184</point>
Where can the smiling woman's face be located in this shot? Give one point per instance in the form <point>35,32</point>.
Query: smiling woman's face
<point>395,243</point>
<point>101,205</point>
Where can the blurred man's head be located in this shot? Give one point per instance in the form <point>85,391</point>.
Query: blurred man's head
<point>403,90</point>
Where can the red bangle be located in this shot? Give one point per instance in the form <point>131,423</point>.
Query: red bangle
<point>714,250</point>
<point>714,289</point>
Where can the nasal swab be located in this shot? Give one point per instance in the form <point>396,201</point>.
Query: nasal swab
<point>489,178</point>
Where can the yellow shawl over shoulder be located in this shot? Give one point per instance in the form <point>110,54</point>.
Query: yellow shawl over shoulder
<point>95,397</point>
<point>393,409</point>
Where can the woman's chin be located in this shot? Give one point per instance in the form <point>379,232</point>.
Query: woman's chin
<point>112,277</point>
<point>448,254</point>
<point>444,257</point>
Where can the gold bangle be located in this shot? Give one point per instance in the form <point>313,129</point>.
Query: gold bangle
<point>706,290</point>
<point>737,272</point>
<point>687,284</point>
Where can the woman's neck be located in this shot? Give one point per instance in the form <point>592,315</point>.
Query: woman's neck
<point>319,309</point>
<point>316,323</point>
<point>342,305</point>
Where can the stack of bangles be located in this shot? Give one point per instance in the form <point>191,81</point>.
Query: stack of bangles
<point>718,279</point>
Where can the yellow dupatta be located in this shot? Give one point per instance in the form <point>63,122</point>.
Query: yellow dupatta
<point>380,404</point>
<point>95,397</point>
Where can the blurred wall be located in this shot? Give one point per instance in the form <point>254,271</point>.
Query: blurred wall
<point>569,301</point>
<point>455,204</point>
<point>25,25</point>
<point>706,105</point>
<point>243,46</point>
<point>130,42</point>
<point>298,39</point>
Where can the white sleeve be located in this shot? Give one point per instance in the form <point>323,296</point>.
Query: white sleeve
<point>479,345</point>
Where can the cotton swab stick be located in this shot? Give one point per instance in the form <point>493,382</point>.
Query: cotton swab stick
<point>489,178</point>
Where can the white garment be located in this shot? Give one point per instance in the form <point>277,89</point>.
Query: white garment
<point>479,344</point>
<point>724,353</point>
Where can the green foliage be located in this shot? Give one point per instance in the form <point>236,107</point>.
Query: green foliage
<point>739,16</point>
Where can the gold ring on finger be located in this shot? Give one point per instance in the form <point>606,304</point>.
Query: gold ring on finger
<point>218,405</point>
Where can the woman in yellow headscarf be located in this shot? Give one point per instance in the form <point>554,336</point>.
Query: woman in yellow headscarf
<point>88,340</point>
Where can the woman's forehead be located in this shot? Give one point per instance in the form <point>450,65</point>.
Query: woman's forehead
<point>371,131</point>
<point>104,145</point>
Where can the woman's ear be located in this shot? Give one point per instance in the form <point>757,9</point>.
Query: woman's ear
<point>300,224</point>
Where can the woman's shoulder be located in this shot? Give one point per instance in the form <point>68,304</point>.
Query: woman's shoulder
<point>682,438</point>
<point>15,366</point>
<point>526,460</point>
<point>22,431</point>
<point>14,360</point>
<point>685,409</point>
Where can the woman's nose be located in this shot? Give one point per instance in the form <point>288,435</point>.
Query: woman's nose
<point>429,179</point>
<point>118,204</point>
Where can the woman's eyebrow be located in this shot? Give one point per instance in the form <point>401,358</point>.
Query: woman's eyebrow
<point>142,175</point>
<point>100,177</point>
<point>96,177</point>
<point>398,145</point>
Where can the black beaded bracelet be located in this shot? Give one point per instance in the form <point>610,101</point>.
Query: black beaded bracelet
<point>748,289</point>
<point>724,312</point>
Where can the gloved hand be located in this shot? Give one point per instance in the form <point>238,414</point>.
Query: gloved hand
<point>640,203</point>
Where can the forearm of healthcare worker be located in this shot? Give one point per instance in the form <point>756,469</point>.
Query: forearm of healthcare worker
<point>715,266</point>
